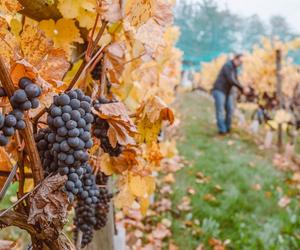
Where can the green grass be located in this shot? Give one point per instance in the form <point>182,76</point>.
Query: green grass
<point>249,218</point>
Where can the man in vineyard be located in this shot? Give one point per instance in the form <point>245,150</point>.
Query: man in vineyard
<point>223,93</point>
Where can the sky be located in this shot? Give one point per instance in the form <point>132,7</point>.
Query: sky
<point>290,9</point>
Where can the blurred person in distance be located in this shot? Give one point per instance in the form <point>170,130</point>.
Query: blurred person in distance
<point>224,95</point>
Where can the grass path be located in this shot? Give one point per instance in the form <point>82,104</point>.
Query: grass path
<point>246,212</point>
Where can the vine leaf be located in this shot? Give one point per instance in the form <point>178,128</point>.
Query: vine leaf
<point>49,206</point>
<point>63,38</point>
<point>110,10</point>
<point>83,11</point>
<point>138,12</point>
<point>121,127</point>
<point>150,116</point>
<point>10,6</point>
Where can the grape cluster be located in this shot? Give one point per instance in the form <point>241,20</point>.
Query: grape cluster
<point>96,72</point>
<point>92,208</point>
<point>100,131</point>
<point>63,146</point>
<point>26,97</point>
<point>23,99</point>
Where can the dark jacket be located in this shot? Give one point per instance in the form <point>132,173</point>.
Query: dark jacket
<point>227,78</point>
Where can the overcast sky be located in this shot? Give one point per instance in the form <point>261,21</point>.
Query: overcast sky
<point>290,9</point>
<point>266,8</point>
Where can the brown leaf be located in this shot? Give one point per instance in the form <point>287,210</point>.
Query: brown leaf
<point>34,44</point>
<point>49,206</point>
<point>21,69</point>
<point>54,66</point>
<point>122,128</point>
<point>10,6</point>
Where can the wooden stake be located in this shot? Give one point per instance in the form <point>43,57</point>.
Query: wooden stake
<point>279,95</point>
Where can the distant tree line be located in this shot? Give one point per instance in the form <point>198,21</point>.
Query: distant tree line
<point>209,30</point>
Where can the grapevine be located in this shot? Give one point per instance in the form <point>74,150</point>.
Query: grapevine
<point>80,101</point>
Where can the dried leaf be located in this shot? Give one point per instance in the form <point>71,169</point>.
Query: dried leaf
<point>49,206</point>
<point>21,69</point>
<point>10,6</point>
<point>122,128</point>
<point>110,10</point>
<point>139,11</point>
<point>34,44</point>
<point>54,66</point>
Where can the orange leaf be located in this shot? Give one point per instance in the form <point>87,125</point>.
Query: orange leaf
<point>34,44</point>
<point>5,165</point>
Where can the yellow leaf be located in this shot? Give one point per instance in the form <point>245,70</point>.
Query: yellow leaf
<point>5,165</point>
<point>63,38</point>
<point>83,10</point>
<point>69,8</point>
<point>71,73</point>
<point>144,203</point>
<point>138,185</point>
<point>106,165</point>
<point>124,199</point>
<point>16,26</point>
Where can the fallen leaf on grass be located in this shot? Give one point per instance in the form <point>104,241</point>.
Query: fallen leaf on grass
<point>209,197</point>
<point>256,187</point>
<point>191,191</point>
<point>230,143</point>
<point>169,178</point>
<point>172,246</point>
<point>185,204</point>
<point>218,189</point>
<point>284,202</point>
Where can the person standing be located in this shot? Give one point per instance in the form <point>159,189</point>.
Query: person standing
<point>223,93</point>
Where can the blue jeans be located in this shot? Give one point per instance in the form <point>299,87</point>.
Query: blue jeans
<point>224,110</point>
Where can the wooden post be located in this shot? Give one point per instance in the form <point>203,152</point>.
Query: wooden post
<point>104,238</point>
<point>279,96</point>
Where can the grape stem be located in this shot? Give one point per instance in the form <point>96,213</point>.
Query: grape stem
<point>27,133</point>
